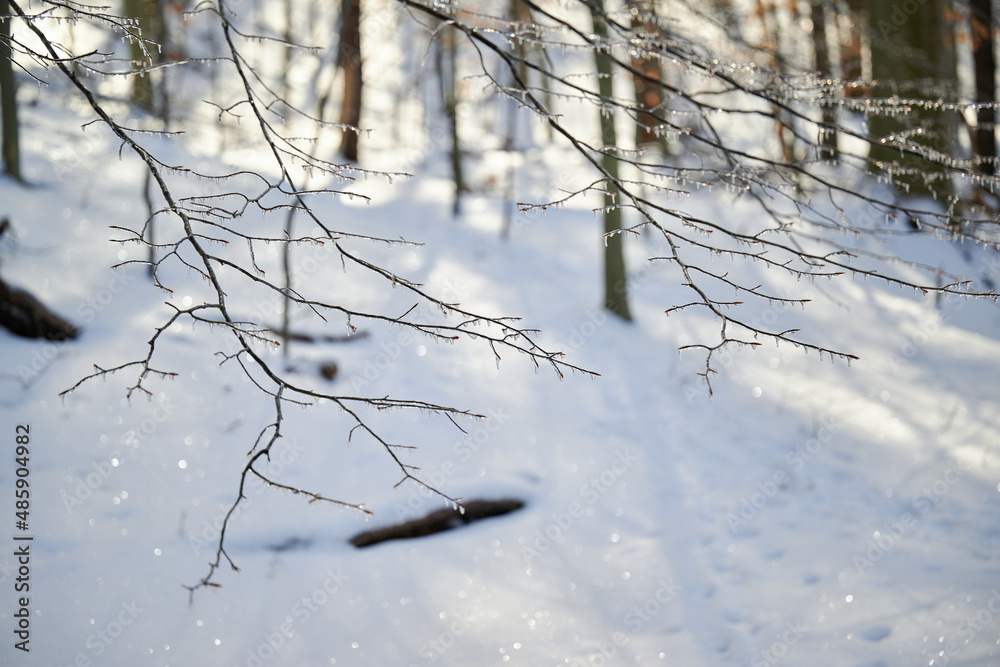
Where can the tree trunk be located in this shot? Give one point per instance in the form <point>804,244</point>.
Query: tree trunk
<point>824,65</point>
<point>912,56</point>
<point>148,15</point>
<point>615,282</point>
<point>766,13</point>
<point>8,99</point>
<point>286,267</point>
<point>286,52</point>
<point>447,71</point>
<point>851,22</point>
<point>986,87</point>
<point>349,58</point>
<point>648,95</point>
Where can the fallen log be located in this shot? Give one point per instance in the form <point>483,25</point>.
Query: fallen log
<point>24,315</point>
<point>439,521</point>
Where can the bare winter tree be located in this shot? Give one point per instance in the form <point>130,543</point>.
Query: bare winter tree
<point>193,227</point>
<point>815,213</point>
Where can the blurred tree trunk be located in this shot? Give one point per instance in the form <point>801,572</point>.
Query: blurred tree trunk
<point>149,18</point>
<point>447,66</point>
<point>146,94</point>
<point>986,87</point>
<point>912,56</point>
<point>648,95</point>
<point>615,282</point>
<point>8,99</point>
<point>852,21</point>
<point>520,12</point>
<point>824,65</point>
<point>286,51</point>
<point>766,11</point>
<point>349,59</point>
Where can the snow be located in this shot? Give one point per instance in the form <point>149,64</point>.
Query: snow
<point>808,513</point>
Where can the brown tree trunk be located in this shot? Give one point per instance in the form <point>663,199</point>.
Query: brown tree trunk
<point>648,95</point>
<point>8,100</point>
<point>349,57</point>
<point>986,87</point>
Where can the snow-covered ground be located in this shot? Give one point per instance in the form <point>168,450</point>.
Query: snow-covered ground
<point>810,513</point>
